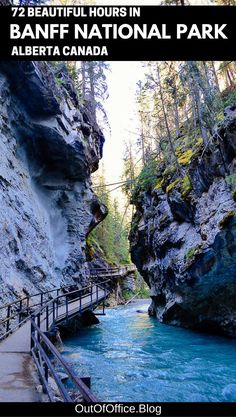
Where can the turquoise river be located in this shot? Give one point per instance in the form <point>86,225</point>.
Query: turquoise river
<point>132,357</point>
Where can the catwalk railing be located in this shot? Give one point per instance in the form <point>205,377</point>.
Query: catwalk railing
<point>48,308</point>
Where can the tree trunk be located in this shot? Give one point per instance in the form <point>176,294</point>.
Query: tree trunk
<point>165,118</point>
<point>92,90</point>
<point>83,75</point>
<point>199,111</point>
<point>176,109</point>
<point>215,75</point>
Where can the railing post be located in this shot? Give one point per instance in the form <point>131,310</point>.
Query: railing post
<point>46,371</point>
<point>38,324</point>
<point>32,331</point>
<point>97,292</point>
<point>38,320</point>
<point>58,291</point>
<point>47,318</point>
<point>41,299</point>
<point>27,304</point>
<point>66,306</point>
<point>91,294</point>
<point>8,317</point>
<point>20,311</point>
<point>53,310</point>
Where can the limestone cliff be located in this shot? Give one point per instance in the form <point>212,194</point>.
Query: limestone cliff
<point>183,237</point>
<point>49,147</point>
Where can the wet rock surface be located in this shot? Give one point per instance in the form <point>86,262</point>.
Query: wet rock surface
<point>185,247</point>
<point>49,148</point>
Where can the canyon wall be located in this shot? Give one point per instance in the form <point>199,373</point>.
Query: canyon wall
<point>183,237</point>
<point>50,145</point>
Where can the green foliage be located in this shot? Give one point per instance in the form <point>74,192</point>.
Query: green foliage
<point>94,89</point>
<point>147,178</point>
<point>231,181</point>
<point>190,254</point>
<point>110,237</point>
<point>144,292</point>
<point>127,294</point>
<point>59,81</point>
<point>230,99</point>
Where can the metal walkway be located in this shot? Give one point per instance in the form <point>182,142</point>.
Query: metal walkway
<point>24,340</point>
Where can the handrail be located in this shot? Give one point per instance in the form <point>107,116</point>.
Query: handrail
<point>29,308</point>
<point>98,269</point>
<point>50,312</point>
<point>21,299</point>
<point>27,297</point>
<point>48,315</point>
<point>45,366</point>
<point>23,306</point>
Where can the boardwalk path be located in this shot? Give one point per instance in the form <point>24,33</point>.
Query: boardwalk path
<point>18,376</point>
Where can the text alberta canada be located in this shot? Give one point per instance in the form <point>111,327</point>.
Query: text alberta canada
<point>66,51</point>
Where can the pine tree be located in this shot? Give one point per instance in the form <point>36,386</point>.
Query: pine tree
<point>111,236</point>
<point>94,87</point>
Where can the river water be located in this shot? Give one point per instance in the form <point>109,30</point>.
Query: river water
<point>132,357</point>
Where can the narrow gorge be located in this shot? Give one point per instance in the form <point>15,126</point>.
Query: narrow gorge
<point>143,235</point>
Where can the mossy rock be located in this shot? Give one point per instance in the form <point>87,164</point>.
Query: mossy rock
<point>159,183</point>
<point>185,158</point>
<point>199,141</point>
<point>186,186</point>
<point>173,185</point>
<point>192,252</point>
<point>89,251</point>
<point>231,180</point>
<point>179,151</point>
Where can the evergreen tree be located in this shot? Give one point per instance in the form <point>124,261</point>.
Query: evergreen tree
<point>111,236</point>
<point>94,87</point>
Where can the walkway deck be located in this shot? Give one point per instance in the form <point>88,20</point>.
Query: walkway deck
<point>18,376</point>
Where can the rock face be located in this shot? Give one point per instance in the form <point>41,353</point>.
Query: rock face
<point>49,147</point>
<point>185,246</point>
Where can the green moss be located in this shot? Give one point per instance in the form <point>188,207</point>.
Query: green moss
<point>147,177</point>
<point>59,81</point>
<point>199,141</point>
<point>89,249</point>
<point>185,158</point>
<point>231,181</point>
<point>179,151</point>
<point>192,252</point>
<point>173,185</point>
<point>186,186</point>
<point>226,219</point>
<point>159,183</point>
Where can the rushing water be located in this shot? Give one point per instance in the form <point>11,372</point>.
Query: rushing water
<point>132,357</point>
